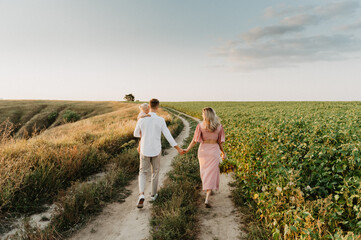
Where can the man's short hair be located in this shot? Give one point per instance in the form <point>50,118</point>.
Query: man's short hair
<point>154,103</point>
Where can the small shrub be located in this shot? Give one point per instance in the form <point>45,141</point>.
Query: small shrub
<point>52,117</point>
<point>71,116</point>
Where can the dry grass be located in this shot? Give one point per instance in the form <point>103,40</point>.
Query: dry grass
<point>80,201</point>
<point>33,171</point>
<point>29,116</point>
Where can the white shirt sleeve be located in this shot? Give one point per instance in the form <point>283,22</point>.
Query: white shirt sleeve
<point>167,134</point>
<point>137,130</point>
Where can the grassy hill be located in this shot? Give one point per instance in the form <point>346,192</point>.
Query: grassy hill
<point>28,115</point>
<point>31,170</point>
<point>46,167</point>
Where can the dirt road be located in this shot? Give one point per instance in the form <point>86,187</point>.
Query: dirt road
<point>120,221</point>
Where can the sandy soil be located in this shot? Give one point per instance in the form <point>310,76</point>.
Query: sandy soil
<point>223,220</point>
<point>124,220</point>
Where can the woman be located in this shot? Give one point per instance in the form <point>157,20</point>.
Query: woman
<point>210,134</point>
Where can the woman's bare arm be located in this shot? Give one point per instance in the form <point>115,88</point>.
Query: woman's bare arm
<point>222,150</point>
<point>190,146</point>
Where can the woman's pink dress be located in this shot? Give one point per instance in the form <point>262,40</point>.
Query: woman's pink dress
<point>209,155</point>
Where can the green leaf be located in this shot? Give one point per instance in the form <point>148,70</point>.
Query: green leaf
<point>293,228</point>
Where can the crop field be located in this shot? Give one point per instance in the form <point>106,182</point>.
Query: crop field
<point>35,170</point>
<point>298,164</point>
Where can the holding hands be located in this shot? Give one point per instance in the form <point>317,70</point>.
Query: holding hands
<point>186,150</point>
<point>180,150</point>
<point>183,151</point>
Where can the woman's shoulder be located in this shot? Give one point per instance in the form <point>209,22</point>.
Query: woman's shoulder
<point>219,128</point>
<point>201,126</point>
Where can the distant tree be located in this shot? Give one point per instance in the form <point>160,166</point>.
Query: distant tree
<point>129,97</point>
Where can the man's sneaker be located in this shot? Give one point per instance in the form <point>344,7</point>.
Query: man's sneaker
<point>140,201</point>
<point>153,197</point>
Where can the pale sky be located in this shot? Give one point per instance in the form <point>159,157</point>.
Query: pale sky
<point>180,50</point>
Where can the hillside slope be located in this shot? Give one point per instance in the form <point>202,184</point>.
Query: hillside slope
<point>27,115</point>
<point>34,171</point>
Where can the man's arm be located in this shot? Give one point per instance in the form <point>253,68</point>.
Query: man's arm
<point>137,130</point>
<point>169,138</point>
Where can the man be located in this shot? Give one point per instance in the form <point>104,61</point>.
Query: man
<point>150,130</point>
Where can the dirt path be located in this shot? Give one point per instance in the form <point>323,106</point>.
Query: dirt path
<point>123,220</point>
<point>222,221</point>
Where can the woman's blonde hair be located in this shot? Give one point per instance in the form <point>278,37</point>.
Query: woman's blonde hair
<point>211,120</point>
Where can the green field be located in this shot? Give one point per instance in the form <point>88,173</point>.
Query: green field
<point>298,164</point>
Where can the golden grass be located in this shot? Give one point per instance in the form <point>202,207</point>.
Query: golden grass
<point>32,171</point>
<point>80,201</point>
<point>30,115</point>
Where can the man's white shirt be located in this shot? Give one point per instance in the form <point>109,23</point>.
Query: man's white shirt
<point>151,129</point>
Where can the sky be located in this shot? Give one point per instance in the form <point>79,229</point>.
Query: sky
<point>187,50</point>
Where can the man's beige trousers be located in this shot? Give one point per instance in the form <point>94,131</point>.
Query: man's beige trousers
<point>145,164</point>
